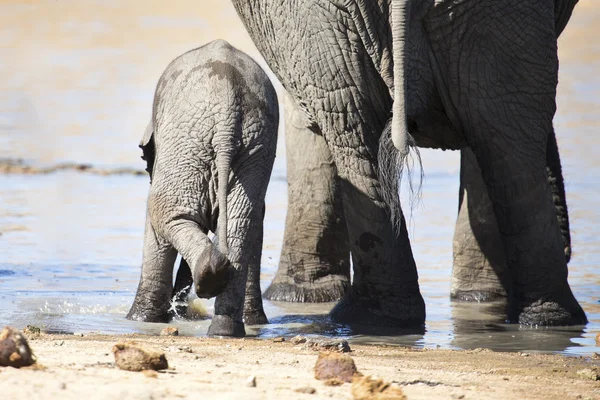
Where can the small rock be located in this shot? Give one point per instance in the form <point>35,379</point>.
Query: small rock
<point>185,349</point>
<point>333,382</point>
<point>457,396</point>
<point>32,330</point>
<point>279,339</point>
<point>598,338</point>
<point>341,346</point>
<point>150,373</point>
<point>14,349</point>
<point>367,388</point>
<point>169,331</point>
<point>134,358</point>
<point>298,340</point>
<point>251,381</point>
<point>333,365</point>
<point>588,373</point>
<point>306,389</point>
<point>78,334</point>
<point>596,356</point>
<point>524,354</point>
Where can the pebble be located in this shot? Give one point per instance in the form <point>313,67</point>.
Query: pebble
<point>341,346</point>
<point>306,389</point>
<point>169,331</point>
<point>251,381</point>
<point>298,340</point>
<point>279,339</point>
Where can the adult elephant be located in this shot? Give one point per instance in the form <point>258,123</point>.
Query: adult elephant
<point>474,75</point>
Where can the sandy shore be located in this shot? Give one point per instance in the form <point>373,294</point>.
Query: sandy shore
<point>82,367</point>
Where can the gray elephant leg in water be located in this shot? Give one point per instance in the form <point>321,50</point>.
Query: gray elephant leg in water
<point>507,120</point>
<point>315,259</point>
<point>210,150</point>
<point>479,272</point>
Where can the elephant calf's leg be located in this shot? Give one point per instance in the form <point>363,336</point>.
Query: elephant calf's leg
<point>479,272</point>
<point>254,313</point>
<point>152,300</point>
<point>315,259</point>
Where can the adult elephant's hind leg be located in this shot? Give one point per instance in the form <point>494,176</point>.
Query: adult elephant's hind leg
<point>152,300</point>
<point>504,86</point>
<point>479,271</point>
<point>315,259</point>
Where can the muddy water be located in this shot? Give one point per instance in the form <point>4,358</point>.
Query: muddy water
<point>77,85</point>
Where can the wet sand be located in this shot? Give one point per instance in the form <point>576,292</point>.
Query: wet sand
<point>83,367</point>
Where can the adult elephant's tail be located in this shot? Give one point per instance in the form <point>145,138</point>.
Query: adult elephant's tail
<point>395,142</point>
<point>399,27</point>
<point>392,165</point>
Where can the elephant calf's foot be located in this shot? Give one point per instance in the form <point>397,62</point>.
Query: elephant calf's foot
<point>477,296</point>
<point>330,288</point>
<point>212,273</point>
<point>223,325</point>
<point>408,312</point>
<point>545,312</point>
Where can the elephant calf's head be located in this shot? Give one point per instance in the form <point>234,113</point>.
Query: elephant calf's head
<point>212,272</point>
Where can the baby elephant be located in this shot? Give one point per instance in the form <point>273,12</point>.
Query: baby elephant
<point>210,149</point>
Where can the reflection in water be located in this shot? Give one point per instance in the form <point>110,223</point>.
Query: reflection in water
<point>77,87</point>
<point>478,326</point>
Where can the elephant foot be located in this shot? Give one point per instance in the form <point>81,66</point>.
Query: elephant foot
<point>548,312</point>
<point>212,273</point>
<point>477,296</point>
<point>327,289</point>
<point>407,312</point>
<point>147,314</point>
<point>224,325</point>
<point>255,317</point>
<point>254,314</point>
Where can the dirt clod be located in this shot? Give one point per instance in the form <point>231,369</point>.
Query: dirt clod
<point>334,365</point>
<point>134,358</point>
<point>169,331</point>
<point>279,339</point>
<point>306,389</point>
<point>588,373</point>
<point>333,382</point>
<point>14,349</point>
<point>367,388</point>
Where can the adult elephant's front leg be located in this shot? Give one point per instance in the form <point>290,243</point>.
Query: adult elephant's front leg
<point>504,86</point>
<point>315,259</point>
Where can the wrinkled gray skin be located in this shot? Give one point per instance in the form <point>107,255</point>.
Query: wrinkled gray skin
<point>210,150</point>
<point>474,75</point>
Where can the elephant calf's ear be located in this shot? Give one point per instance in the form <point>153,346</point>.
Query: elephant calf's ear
<point>148,150</point>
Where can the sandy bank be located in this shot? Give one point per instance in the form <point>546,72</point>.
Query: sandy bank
<point>83,368</point>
